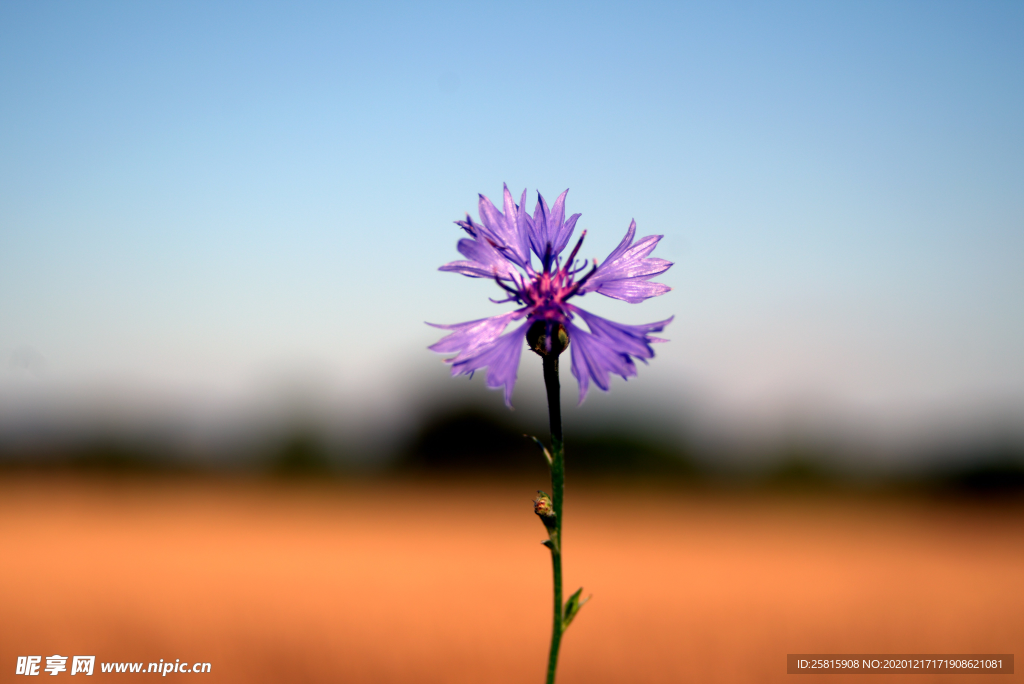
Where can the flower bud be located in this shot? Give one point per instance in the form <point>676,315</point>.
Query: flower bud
<point>544,509</point>
<point>547,337</point>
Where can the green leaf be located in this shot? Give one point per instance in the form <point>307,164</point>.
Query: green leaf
<point>572,606</point>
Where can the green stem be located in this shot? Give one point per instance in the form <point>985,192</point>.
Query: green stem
<point>557,487</point>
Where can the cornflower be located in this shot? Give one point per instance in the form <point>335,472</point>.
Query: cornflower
<point>503,249</point>
<point>500,249</point>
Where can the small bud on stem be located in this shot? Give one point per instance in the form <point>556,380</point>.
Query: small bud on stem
<point>545,510</point>
<point>547,338</point>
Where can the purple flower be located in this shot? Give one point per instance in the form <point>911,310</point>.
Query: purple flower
<point>501,249</point>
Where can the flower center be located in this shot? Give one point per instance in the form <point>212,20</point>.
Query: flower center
<point>546,292</point>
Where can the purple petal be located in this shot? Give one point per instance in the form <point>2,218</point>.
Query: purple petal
<point>525,226</point>
<point>510,210</point>
<point>556,220</point>
<point>541,234</point>
<point>565,233</point>
<point>471,335</point>
<point>641,249</point>
<point>486,257</point>
<point>494,221</point>
<point>518,238</point>
<point>632,291</point>
<point>470,226</point>
<point>624,273</point>
<point>472,269</point>
<point>626,339</point>
<point>608,348</point>
<point>504,229</point>
<point>551,226</point>
<point>560,230</point>
<point>624,245</point>
<point>593,358</point>
<point>501,357</point>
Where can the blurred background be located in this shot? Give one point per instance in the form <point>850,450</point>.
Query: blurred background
<point>220,227</point>
<point>220,222</point>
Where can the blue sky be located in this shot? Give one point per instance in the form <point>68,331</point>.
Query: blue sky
<point>198,200</point>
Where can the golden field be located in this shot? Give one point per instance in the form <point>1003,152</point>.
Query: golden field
<point>437,581</point>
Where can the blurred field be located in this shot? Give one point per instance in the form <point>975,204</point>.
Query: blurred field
<point>447,581</point>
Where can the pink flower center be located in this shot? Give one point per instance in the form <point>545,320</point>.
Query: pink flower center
<point>547,291</point>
